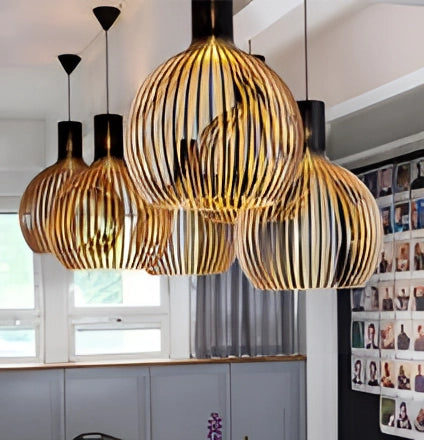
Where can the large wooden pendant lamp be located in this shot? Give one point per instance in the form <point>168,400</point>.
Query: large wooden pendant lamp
<point>37,199</point>
<point>329,236</point>
<point>213,128</point>
<point>99,220</point>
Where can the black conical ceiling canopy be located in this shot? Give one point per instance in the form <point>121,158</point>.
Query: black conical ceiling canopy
<point>69,62</point>
<point>106,15</point>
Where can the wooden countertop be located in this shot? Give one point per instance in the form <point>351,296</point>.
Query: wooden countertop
<point>153,362</point>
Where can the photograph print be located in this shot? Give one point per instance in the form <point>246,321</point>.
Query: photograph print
<point>370,181</point>
<point>385,180</point>
<point>402,177</point>
<point>401,217</point>
<point>417,174</point>
<point>417,214</point>
<point>386,213</point>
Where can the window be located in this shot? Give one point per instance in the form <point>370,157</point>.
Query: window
<point>20,324</point>
<point>118,314</point>
<point>50,314</point>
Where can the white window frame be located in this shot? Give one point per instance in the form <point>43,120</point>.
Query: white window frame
<point>159,322</point>
<point>53,315</point>
<point>120,317</point>
<point>24,318</point>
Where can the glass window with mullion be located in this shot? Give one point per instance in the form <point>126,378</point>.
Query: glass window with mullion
<point>127,289</point>
<point>20,299</point>
<point>119,337</point>
<point>118,314</point>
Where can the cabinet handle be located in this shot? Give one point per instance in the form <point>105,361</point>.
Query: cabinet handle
<point>95,436</point>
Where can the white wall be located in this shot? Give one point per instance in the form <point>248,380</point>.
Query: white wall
<point>321,364</point>
<point>353,54</point>
<point>22,152</point>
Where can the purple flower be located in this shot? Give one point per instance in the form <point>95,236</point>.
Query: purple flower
<point>215,427</point>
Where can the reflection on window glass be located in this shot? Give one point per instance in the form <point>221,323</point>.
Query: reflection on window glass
<point>116,288</point>
<point>97,287</point>
<point>16,266</point>
<point>17,342</point>
<point>116,341</point>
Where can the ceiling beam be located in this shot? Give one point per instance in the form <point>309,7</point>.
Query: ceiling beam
<point>403,2</point>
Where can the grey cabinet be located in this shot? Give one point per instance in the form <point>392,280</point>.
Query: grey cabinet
<point>268,401</point>
<point>112,400</point>
<point>31,405</point>
<point>184,397</point>
<point>257,400</point>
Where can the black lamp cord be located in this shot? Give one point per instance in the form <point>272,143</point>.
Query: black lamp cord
<point>305,22</point>
<point>69,97</point>
<point>107,73</point>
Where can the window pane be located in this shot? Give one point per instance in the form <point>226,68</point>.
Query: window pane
<point>141,289</point>
<point>97,287</point>
<point>16,266</point>
<point>116,288</point>
<point>116,341</point>
<point>17,342</point>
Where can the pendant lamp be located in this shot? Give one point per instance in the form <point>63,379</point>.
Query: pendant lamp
<point>329,236</point>
<point>197,246</point>
<point>213,128</point>
<point>36,202</point>
<point>100,222</point>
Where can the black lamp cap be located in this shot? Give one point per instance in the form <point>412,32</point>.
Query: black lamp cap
<point>108,136</point>
<point>69,139</point>
<point>313,116</point>
<point>259,57</point>
<point>212,18</point>
<point>69,62</point>
<point>106,16</point>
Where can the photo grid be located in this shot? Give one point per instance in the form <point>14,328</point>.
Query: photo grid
<point>387,328</point>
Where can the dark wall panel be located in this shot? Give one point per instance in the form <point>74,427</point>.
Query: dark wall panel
<point>358,412</point>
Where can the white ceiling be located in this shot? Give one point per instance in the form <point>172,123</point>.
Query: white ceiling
<point>34,32</point>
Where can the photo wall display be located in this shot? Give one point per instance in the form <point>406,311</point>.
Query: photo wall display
<point>387,327</point>
<point>402,417</point>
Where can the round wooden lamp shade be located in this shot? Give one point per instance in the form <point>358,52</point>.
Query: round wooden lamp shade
<point>98,220</point>
<point>36,202</point>
<point>329,236</point>
<point>197,246</point>
<point>213,128</point>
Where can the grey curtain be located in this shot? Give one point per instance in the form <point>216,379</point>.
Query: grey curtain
<point>232,318</point>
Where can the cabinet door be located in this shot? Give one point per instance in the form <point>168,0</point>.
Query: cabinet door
<point>110,400</point>
<point>184,397</point>
<point>31,405</point>
<point>268,401</point>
